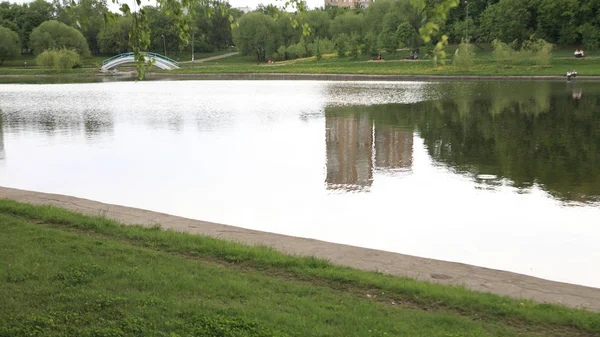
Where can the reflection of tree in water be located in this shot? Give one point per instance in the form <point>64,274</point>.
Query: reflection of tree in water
<point>526,133</point>
<point>97,123</point>
<point>94,123</point>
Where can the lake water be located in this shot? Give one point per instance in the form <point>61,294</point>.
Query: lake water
<point>504,175</point>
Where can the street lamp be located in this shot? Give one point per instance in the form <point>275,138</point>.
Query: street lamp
<point>164,44</point>
<point>467,31</point>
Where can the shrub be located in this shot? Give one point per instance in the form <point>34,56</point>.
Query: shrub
<point>316,49</point>
<point>463,57</point>
<point>341,44</point>
<point>503,53</point>
<point>536,51</point>
<point>355,45</point>
<point>281,54</point>
<point>62,59</point>
<point>327,46</point>
<point>369,46</point>
<point>539,50</point>
<point>53,34</point>
<point>297,50</point>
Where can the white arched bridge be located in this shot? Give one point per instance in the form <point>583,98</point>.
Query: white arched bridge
<point>160,61</point>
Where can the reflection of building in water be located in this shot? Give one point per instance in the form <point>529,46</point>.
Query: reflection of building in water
<point>393,148</point>
<point>1,137</point>
<point>349,142</point>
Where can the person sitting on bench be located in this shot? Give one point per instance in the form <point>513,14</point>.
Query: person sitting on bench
<point>578,53</point>
<point>413,55</point>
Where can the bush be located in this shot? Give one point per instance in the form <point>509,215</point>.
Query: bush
<point>62,59</point>
<point>369,46</point>
<point>539,50</point>
<point>532,51</point>
<point>10,46</point>
<point>316,49</point>
<point>355,45</point>
<point>463,57</point>
<point>503,53</point>
<point>341,44</point>
<point>297,50</point>
<point>53,34</point>
<point>327,46</point>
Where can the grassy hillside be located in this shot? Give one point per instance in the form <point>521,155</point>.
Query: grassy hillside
<point>65,274</point>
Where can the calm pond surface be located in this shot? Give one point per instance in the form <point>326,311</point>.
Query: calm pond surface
<point>504,175</point>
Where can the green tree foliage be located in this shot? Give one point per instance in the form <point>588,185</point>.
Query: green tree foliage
<point>463,56</point>
<point>341,44</point>
<point>407,36</point>
<point>10,46</point>
<point>590,36</point>
<point>348,23</point>
<point>319,24</point>
<point>388,39</point>
<point>558,20</point>
<point>88,16</point>
<point>62,59</point>
<point>256,35</point>
<point>297,50</point>
<point>355,45</point>
<point>508,20</point>
<point>369,46</point>
<point>316,49</point>
<point>24,18</point>
<point>54,34</point>
<point>114,38</point>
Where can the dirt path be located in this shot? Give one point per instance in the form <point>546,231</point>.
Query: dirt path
<point>212,58</point>
<point>474,278</point>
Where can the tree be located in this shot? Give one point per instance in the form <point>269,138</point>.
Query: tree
<point>348,23</point>
<point>558,20</point>
<point>341,44</point>
<point>507,20</point>
<point>88,17</point>
<point>114,38</point>
<point>406,35</point>
<point>369,46</point>
<point>54,34</point>
<point>387,39</point>
<point>34,14</point>
<point>10,46</point>
<point>319,24</point>
<point>256,34</point>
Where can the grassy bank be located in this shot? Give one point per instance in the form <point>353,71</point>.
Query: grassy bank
<point>484,65</point>
<point>65,274</point>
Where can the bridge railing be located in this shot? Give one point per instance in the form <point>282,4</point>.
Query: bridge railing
<point>131,54</point>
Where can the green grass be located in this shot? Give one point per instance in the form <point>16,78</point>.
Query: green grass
<point>484,65</point>
<point>66,274</point>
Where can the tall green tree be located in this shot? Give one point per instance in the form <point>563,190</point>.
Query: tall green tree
<point>114,38</point>
<point>10,45</point>
<point>88,16</point>
<point>256,34</point>
<point>54,34</point>
<point>348,23</point>
<point>508,20</point>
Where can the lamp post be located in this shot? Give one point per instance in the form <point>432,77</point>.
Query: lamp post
<point>467,30</point>
<point>193,44</point>
<point>164,45</point>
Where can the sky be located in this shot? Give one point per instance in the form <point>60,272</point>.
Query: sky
<point>234,3</point>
